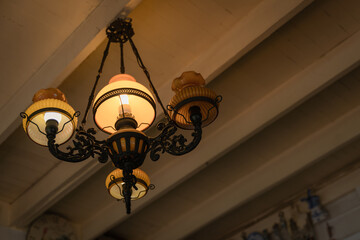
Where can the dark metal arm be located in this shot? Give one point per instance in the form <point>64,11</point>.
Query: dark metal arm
<point>84,146</point>
<point>168,142</point>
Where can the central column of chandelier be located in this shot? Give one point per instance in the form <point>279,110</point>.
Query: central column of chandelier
<point>123,109</point>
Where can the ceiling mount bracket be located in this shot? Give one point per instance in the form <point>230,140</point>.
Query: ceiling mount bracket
<point>120,30</point>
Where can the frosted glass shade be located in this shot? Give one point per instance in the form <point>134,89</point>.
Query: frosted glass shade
<point>40,111</point>
<point>123,95</point>
<point>114,184</point>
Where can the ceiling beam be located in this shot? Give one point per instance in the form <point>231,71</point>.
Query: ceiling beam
<point>325,70</point>
<point>246,34</point>
<point>53,186</point>
<point>78,45</point>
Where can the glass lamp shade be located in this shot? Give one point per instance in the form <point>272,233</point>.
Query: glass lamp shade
<point>114,184</point>
<point>123,97</point>
<point>190,91</point>
<point>41,111</point>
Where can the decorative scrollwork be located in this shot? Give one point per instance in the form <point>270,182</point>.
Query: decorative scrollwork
<point>168,142</point>
<point>84,146</point>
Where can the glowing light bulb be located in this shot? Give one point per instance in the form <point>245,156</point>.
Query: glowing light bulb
<point>124,99</point>
<point>124,104</point>
<point>52,116</point>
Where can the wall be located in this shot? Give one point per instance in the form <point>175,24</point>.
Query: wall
<point>341,199</point>
<point>11,234</point>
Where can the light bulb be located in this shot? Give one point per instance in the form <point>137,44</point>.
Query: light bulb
<point>124,104</point>
<point>52,116</point>
<point>124,99</point>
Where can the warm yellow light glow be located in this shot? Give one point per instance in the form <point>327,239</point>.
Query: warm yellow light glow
<point>124,104</point>
<point>39,113</point>
<point>124,99</point>
<point>190,91</point>
<point>52,115</point>
<point>115,188</point>
<point>123,90</point>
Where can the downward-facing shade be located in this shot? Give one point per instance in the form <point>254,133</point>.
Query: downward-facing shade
<point>114,184</point>
<point>35,124</point>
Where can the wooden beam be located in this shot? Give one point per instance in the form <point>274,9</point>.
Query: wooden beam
<point>47,191</point>
<point>246,34</point>
<point>256,26</point>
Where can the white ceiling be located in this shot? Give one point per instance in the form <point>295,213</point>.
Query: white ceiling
<point>288,73</point>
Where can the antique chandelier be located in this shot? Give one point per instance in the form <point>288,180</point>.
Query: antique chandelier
<point>123,109</point>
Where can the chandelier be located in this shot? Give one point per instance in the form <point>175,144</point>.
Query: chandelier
<point>123,109</point>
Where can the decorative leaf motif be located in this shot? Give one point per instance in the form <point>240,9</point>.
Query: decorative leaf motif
<point>168,142</point>
<point>84,146</point>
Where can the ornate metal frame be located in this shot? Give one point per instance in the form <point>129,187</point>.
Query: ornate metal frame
<point>85,144</point>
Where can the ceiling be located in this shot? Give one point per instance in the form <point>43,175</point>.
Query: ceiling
<point>288,73</point>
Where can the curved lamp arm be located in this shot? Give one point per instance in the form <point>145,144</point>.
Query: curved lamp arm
<point>84,146</point>
<point>168,142</point>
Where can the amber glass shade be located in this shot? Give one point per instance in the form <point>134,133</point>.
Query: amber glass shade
<point>49,108</point>
<point>190,91</point>
<point>123,97</point>
<point>114,184</point>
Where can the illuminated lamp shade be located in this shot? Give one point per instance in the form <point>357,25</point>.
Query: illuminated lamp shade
<point>114,184</point>
<point>49,104</point>
<point>122,98</point>
<point>189,92</point>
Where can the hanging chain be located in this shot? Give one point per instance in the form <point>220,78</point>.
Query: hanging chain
<point>91,97</point>
<point>121,31</point>
<point>122,64</point>
<point>147,74</point>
